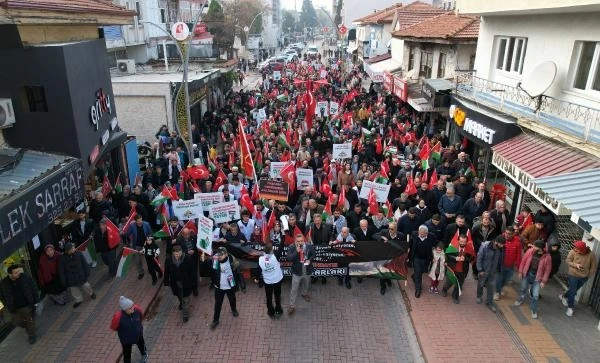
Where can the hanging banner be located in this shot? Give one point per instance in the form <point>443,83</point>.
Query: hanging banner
<point>275,169</point>
<point>304,178</point>
<point>273,189</point>
<point>225,212</point>
<point>381,190</point>
<point>334,107</point>
<point>187,209</point>
<point>205,232</point>
<point>208,199</point>
<point>342,151</point>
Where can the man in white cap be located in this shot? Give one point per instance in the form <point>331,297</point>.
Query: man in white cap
<point>127,322</point>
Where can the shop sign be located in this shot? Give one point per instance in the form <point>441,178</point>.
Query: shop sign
<point>100,107</point>
<point>105,137</point>
<point>34,209</point>
<point>388,81</point>
<point>472,127</point>
<point>400,88</point>
<point>525,181</point>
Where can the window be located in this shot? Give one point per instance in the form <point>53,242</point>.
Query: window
<point>586,66</point>
<point>163,16</point>
<point>35,99</point>
<point>138,10</point>
<point>411,59</point>
<point>426,64</point>
<point>511,53</point>
<point>441,72</point>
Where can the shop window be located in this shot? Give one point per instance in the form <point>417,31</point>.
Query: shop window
<point>441,72</point>
<point>426,64</point>
<point>511,54</point>
<point>411,58</point>
<point>138,10</point>
<point>163,16</point>
<point>586,66</point>
<point>35,99</point>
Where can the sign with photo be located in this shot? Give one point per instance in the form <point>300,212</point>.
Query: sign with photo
<point>276,75</point>
<point>322,108</point>
<point>225,212</point>
<point>342,151</point>
<point>334,107</point>
<point>323,73</point>
<point>205,233</point>
<point>187,209</point>
<point>208,199</point>
<point>381,190</point>
<point>262,113</point>
<point>304,178</point>
<point>275,169</point>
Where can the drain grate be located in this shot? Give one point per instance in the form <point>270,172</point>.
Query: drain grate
<point>515,338</point>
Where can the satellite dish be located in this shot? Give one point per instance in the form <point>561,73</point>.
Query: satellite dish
<point>540,79</point>
<point>410,74</point>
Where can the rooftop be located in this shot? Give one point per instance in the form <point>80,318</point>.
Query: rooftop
<point>157,77</point>
<point>445,26</point>
<point>415,13</point>
<point>379,16</point>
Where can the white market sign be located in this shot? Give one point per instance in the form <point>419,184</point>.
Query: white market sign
<point>524,180</point>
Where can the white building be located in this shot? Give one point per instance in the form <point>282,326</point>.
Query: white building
<point>551,49</point>
<point>374,32</point>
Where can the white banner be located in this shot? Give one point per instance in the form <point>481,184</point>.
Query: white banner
<point>225,212</point>
<point>205,232</point>
<point>276,75</point>
<point>334,107</point>
<point>322,108</point>
<point>275,169</point>
<point>342,151</point>
<point>381,191</point>
<point>187,209</point>
<point>304,178</point>
<point>323,73</point>
<point>262,113</point>
<point>208,199</point>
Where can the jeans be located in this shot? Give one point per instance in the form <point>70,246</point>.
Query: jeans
<point>139,257</point>
<point>127,349</point>
<point>527,280</point>
<point>488,282</point>
<point>110,259</point>
<point>298,281</point>
<point>419,267</point>
<point>23,317</point>
<point>575,283</point>
<point>270,290</point>
<point>219,297</point>
<point>503,278</point>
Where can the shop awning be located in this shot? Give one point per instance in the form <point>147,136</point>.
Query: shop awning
<point>577,192</point>
<point>526,157</point>
<point>35,188</point>
<point>351,49</point>
<point>439,84</point>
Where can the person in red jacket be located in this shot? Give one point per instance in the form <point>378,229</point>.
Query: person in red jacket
<point>513,251</point>
<point>127,322</point>
<point>534,270</point>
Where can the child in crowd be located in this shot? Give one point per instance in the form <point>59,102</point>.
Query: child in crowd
<point>151,252</point>
<point>437,271</point>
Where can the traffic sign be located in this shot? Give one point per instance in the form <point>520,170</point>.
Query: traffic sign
<point>180,31</point>
<point>343,29</point>
<point>325,29</point>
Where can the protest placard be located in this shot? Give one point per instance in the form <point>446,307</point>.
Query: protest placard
<point>334,107</point>
<point>187,209</point>
<point>273,189</point>
<point>276,75</point>
<point>275,169</point>
<point>304,178</point>
<point>205,232</point>
<point>225,212</point>
<point>381,190</point>
<point>322,108</point>
<point>208,199</point>
<point>342,151</point>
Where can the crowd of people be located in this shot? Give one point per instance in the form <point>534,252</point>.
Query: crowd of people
<point>436,205</point>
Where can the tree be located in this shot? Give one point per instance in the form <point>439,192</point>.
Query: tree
<point>338,12</point>
<point>308,16</point>
<point>215,22</point>
<point>289,22</point>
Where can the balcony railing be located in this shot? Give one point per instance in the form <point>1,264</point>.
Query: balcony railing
<point>575,119</point>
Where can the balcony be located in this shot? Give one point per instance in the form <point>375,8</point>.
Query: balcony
<point>578,121</point>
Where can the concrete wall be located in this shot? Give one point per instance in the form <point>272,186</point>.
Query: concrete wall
<point>457,56</point>
<point>522,6</point>
<point>398,50</point>
<point>549,37</point>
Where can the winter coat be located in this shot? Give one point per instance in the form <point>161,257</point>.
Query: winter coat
<point>587,261</point>
<point>25,284</point>
<point>74,270</point>
<point>446,205</point>
<point>321,236</point>
<point>479,236</point>
<point>101,241</point>
<point>235,268</point>
<point>489,258</point>
<point>132,233</point>
<point>408,225</point>
<point>544,267</point>
<point>442,260</point>
<point>48,274</point>
<point>472,210</point>
<point>422,249</point>
<point>180,278</point>
<point>294,257</point>
<point>128,326</point>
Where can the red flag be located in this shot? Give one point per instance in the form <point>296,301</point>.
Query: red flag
<point>219,180</point>
<point>130,219</point>
<point>195,187</point>
<point>373,206</point>
<point>378,145</point>
<point>390,213</point>
<point>411,188</point>
<point>288,175</point>
<point>310,102</point>
<point>425,177</point>
<point>255,193</point>
<point>246,202</point>
<point>106,187</point>
<point>469,248</point>
<point>433,180</point>
<point>246,159</point>
<point>327,210</point>
<point>231,158</point>
<point>342,199</point>
<point>198,172</point>
<point>114,237</point>
<point>325,188</point>
<point>424,152</point>
<point>385,169</point>
<point>191,225</point>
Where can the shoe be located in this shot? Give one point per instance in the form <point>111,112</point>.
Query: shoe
<point>431,290</point>
<point>492,307</point>
<point>261,284</point>
<point>534,315</point>
<point>569,312</point>
<point>278,313</point>
<point>93,296</point>
<point>76,305</point>
<point>418,294</point>
<point>32,339</point>
<point>306,298</point>
<point>444,293</point>
<point>291,310</point>
<point>271,315</point>
<point>563,299</point>
<point>456,301</point>
<point>348,285</point>
<point>235,313</point>
<point>496,296</point>
<point>185,319</point>
<point>518,302</point>
<point>479,301</point>
<point>435,290</point>
<point>140,276</point>
<point>214,324</point>
<point>243,290</point>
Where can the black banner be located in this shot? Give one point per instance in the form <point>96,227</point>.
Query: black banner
<point>364,258</point>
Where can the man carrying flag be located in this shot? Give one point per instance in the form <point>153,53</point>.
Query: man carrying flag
<point>459,256</point>
<point>106,249</point>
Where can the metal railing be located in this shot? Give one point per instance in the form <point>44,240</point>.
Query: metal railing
<point>579,120</point>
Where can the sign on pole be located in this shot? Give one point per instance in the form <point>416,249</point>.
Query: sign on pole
<point>187,209</point>
<point>205,233</point>
<point>225,212</point>
<point>180,31</point>
<point>343,29</point>
<point>381,190</point>
<point>304,178</point>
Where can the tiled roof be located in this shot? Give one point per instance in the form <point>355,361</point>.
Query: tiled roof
<point>378,58</point>
<point>444,26</point>
<point>415,13</point>
<point>68,6</point>
<point>380,16</point>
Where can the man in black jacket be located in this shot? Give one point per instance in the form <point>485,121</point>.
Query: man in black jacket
<point>82,230</point>
<point>187,241</point>
<point>108,254</point>
<point>459,225</point>
<point>301,255</point>
<point>459,263</point>
<point>321,235</point>
<point>500,216</point>
<point>225,279</point>
<point>353,218</point>
<point>421,254</point>
<point>389,235</point>
<point>74,273</point>
<point>364,232</point>
<point>19,296</point>
<point>180,278</point>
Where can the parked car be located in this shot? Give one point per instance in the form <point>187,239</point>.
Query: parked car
<point>312,51</point>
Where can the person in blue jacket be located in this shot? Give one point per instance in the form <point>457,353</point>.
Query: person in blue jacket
<point>127,322</point>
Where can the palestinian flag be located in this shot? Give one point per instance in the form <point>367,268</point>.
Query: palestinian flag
<point>126,261</point>
<point>89,247</point>
<point>161,198</point>
<point>424,155</point>
<point>165,231</point>
<point>469,248</point>
<point>281,140</point>
<point>470,172</point>
<point>327,210</point>
<point>258,161</point>
<point>118,185</point>
<point>436,152</point>
<point>451,276</point>
<point>373,206</point>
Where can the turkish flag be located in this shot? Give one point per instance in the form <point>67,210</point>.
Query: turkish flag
<point>220,180</point>
<point>373,206</point>
<point>114,237</point>
<point>411,188</point>
<point>288,175</point>
<point>246,202</point>
<point>198,172</point>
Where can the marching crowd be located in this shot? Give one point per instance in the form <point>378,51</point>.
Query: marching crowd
<point>436,207</point>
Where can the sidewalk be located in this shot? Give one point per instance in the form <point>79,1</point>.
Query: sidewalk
<point>83,334</point>
<point>470,332</point>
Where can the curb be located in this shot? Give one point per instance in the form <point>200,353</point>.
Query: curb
<point>416,347</point>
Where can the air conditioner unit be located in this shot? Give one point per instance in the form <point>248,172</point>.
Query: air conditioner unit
<point>126,66</point>
<point>7,113</point>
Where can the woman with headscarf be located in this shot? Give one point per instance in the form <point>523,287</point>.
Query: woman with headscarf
<point>48,275</point>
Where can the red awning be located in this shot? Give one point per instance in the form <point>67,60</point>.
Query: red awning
<point>541,157</point>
